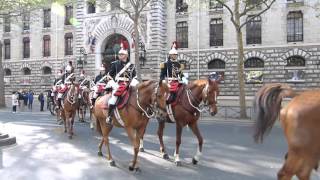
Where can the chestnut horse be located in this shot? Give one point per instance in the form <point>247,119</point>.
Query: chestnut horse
<point>135,114</point>
<point>71,104</point>
<point>187,112</point>
<point>84,103</point>
<point>300,122</point>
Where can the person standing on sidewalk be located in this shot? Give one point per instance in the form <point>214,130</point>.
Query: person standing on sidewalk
<point>41,99</point>
<point>15,101</point>
<point>30,99</point>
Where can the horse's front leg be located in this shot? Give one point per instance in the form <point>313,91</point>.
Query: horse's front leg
<point>71,122</point>
<point>135,141</point>
<point>178,142</point>
<point>163,152</point>
<point>141,132</point>
<point>195,129</point>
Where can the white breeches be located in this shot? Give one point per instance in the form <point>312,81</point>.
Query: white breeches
<point>114,86</point>
<point>134,82</point>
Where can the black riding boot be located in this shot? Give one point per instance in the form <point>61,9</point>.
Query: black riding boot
<point>171,98</point>
<point>59,102</point>
<point>110,112</point>
<point>93,100</point>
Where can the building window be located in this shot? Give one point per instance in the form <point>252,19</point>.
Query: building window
<point>253,2</point>
<point>7,27</point>
<point>7,72</point>
<point>68,44</point>
<point>182,34</point>
<point>253,28</point>
<point>214,5</point>
<point>26,21</point>
<point>115,4</point>
<point>26,71</point>
<point>46,70</point>
<point>185,63</point>
<point>295,26</point>
<point>46,46</point>
<point>181,6</point>
<point>91,5</point>
<point>216,64</point>
<point>26,47</point>
<point>7,49</point>
<point>254,63</point>
<point>46,18</point>
<point>216,32</point>
<point>296,61</point>
<point>69,15</point>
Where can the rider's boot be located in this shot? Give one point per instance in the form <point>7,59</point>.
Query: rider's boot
<point>110,112</point>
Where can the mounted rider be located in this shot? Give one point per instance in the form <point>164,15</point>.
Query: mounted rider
<point>100,82</point>
<point>122,74</point>
<point>67,79</point>
<point>172,70</point>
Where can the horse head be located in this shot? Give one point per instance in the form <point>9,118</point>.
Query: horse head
<point>73,93</point>
<point>210,93</point>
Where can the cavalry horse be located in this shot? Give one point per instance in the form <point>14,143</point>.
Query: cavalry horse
<point>84,103</point>
<point>186,111</point>
<point>300,122</point>
<point>70,106</point>
<point>135,115</point>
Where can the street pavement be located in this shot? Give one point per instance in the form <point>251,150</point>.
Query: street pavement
<point>43,151</point>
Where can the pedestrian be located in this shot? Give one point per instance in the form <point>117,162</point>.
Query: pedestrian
<point>15,101</point>
<point>25,98</point>
<point>30,99</point>
<point>41,100</point>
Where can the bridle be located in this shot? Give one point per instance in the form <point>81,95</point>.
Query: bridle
<point>204,99</point>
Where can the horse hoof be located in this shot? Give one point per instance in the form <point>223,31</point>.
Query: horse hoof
<point>131,168</point>
<point>194,161</point>
<point>65,131</point>
<point>137,170</point>
<point>141,149</point>
<point>112,163</point>
<point>178,163</point>
<point>100,154</point>
<point>165,156</point>
<point>70,137</point>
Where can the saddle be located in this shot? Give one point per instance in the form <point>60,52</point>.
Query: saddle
<point>122,99</point>
<point>179,90</point>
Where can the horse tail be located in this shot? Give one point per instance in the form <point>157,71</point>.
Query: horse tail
<point>267,106</point>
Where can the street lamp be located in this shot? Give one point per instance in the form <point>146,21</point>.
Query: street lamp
<point>82,58</point>
<point>142,53</point>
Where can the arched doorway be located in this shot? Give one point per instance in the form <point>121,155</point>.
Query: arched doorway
<point>112,48</point>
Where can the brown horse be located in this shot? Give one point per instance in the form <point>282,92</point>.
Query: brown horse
<point>187,112</point>
<point>84,103</point>
<point>70,107</point>
<point>134,114</point>
<point>300,122</point>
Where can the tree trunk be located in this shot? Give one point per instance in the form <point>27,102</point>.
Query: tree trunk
<point>242,97</point>
<point>136,46</point>
<point>2,88</point>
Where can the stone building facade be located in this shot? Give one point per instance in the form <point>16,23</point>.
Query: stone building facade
<point>284,46</point>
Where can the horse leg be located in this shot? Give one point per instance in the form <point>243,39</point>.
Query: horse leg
<point>163,152</point>
<point>141,132</point>
<point>195,129</point>
<point>290,167</point>
<point>71,124</point>
<point>106,142</point>
<point>64,118</point>
<point>178,142</point>
<point>100,147</point>
<point>135,141</point>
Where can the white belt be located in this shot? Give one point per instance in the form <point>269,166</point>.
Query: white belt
<point>173,79</point>
<point>123,79</point>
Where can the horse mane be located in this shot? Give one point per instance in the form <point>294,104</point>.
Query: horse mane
<point>197,83</point>
<point>145,84</point>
